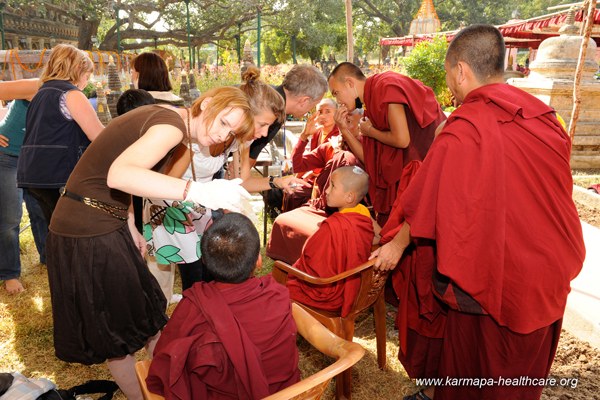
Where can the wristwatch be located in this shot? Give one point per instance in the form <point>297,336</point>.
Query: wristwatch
<point>272,183</point>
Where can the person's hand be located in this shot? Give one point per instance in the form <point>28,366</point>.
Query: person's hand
<point>290,183</point>
<point>365,126</point>
<point>310,128</point>
<point>220,193</point>
<point>3,141</point>
<point>138,239</point>
<point>340,117</point>
<point>388,256</point>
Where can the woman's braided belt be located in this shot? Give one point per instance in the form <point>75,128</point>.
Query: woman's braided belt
<point>115,211</point>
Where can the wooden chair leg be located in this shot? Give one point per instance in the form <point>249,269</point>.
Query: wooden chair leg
<point>380,331</point>
<point>343,382</point>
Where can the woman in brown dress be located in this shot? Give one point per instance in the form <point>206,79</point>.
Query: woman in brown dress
<point>106,304</point>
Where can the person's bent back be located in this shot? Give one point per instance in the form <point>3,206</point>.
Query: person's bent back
<point>232,338</point>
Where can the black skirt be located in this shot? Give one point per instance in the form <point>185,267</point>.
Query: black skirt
<point>105,302</point>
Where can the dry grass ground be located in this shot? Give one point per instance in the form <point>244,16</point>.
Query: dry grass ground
<point>26,346</point>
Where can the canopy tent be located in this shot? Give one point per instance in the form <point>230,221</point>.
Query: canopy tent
<point>517,33</point>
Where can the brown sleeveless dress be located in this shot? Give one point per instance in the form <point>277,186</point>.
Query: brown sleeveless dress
<point>105,302</point>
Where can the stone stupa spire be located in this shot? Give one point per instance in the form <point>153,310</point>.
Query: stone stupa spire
<point>426,20</point>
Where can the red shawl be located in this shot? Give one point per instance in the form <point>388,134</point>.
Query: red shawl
<point>384,163</point>
<point>495,194</point>
<point>342,242</point>
<point>227,342</point>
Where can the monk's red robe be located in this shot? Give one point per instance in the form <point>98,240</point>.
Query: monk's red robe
<point>308,167</point>
<point>291,230</point>
<point>315,140</point>
<point>421,316</point>
<point>314,160</point>
<point>495,194</point>
<point>384,163</point>
<point>342,242</point>
<point>227,341</point>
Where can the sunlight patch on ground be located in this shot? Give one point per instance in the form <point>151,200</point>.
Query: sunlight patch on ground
<point>38,303</point>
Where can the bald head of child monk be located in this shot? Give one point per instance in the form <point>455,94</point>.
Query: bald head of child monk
<point>347,187</point>
<point>231,249</point>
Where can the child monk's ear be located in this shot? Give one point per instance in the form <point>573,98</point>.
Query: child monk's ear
<point>350,197</point>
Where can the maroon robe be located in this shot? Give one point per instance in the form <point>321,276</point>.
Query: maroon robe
<point>227,341</point>
<point>342,242</point>
<point>495,194</point>
<point>384,163</point>
<point>291,230</point>
<point>421,316</point>
<point>307,167</point>
<point>315,140</point>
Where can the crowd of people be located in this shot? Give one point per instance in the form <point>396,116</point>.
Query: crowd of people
<point>472,214</point>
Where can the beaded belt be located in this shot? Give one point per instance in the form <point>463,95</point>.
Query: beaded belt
<point>115,211</point>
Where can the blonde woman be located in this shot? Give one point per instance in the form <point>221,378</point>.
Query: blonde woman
<point>61,123</point>
<point>105,302</point>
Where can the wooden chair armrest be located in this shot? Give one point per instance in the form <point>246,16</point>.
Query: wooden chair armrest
<point>303,276</point>
<point>345,352</point>
<point>141,371</point>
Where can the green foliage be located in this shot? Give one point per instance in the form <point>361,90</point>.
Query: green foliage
<point>89,89</point>
<point>426,63</point>
<point>223,76</point>
<point>317,26</point>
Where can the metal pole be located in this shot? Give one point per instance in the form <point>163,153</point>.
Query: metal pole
<point>187,11</point>
<point>238,42</point>
<point>118,28</point>
<point>2,24</point>
<point>294,49</point>
<point>258,40</point>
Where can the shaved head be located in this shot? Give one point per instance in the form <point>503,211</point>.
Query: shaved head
<point>482,48</point>
<point>345,69</point>
<point>354,179</point>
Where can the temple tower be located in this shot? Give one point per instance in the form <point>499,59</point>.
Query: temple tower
<point>426,20</point>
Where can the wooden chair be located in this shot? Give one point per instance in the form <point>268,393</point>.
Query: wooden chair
<point>311,388</point>
<point>372,283</point>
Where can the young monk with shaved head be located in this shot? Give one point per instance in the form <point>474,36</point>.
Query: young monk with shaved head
<point>495,194</point>
<point>342,242</point>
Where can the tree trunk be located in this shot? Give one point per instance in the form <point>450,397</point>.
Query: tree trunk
<point>349,36</point>
<point>588,26</point>
<point>87,29</point>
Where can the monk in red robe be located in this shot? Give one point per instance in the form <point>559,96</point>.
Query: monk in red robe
<point>401,117</point>
<point>342,242</point>
<point>495,194</point>
<point>319,129</point>
<point>233,338</point>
